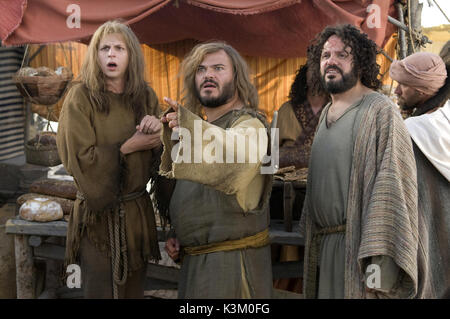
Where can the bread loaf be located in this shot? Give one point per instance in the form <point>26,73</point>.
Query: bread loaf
<point>43,138</point>
<point>54,187</point>
<point>66,204</point>
<point>40,209</point>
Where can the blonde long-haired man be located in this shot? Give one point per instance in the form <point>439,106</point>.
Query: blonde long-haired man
<point>219,206</point>
<point>107,136</point>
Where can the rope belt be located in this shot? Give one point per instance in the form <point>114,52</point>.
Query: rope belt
<point>118,240</point>
<point>255,241</point>
<point>315,249</point>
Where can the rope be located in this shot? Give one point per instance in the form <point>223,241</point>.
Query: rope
<point>118,240</point>
<point>315,251</point>
<point>118,244</point>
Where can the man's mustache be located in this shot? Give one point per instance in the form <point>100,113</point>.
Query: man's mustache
<point>333,68</point>
<point>209,81</point>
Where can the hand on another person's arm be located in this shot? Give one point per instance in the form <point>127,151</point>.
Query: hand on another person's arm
<point>146,137</point>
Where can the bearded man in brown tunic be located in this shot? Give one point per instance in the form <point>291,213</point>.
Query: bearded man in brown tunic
<point>298,118</point>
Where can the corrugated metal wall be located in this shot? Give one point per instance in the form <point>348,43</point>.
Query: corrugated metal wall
<point>12,115</point>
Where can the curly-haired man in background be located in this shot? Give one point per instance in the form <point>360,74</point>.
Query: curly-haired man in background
<point>360,213</point>
<point>298,118</point>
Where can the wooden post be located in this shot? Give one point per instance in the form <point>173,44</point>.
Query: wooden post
<point>401,32</point>
<point>288,204</point>
<point>53,269</point>
<point>25,270</point>
<point>414,24</point>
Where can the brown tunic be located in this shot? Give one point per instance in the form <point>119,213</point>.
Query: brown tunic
<point>89,146</point>
<point>296,133</point>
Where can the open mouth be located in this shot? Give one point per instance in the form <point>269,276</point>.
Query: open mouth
<point>111,65</point>
<point>332,71</point>
<point>209,85</point>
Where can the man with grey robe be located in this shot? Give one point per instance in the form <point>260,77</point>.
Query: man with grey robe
<point>360,213</point>
<point>424,90</point>
<point>219,206</point>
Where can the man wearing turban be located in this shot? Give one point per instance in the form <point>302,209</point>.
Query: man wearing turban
<point>419,77</point>
<point>424,89</point>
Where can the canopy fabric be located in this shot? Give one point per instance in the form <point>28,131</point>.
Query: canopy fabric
<point>272,77</point>
<point>267,28</point>
<point>242,6</point>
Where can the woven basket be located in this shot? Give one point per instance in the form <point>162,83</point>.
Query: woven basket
<point>45,90</point>
<point>44,155</point>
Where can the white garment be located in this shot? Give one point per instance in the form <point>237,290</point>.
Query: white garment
<point>431,133</point>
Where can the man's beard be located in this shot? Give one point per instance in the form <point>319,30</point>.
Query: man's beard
<point>404,105</point>
<point>347,81</point>
<point>212,102</point>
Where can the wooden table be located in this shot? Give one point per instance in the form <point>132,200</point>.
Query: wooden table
<point>31,241</point>
<point>35,240</point>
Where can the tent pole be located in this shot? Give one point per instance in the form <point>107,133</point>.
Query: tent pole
<point>401,30</point>
<point>27,105</point>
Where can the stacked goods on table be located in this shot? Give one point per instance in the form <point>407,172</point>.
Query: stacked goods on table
<point>291,174</point>
<point>48,200</point>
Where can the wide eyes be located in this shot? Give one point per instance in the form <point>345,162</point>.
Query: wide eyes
<point>342,55</point>
<point>106,48</point>
<point>325,55</point>
<point>202,69</point>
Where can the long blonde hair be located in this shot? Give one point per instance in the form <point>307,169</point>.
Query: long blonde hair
<point>246,90</point>
<point>91,75</point>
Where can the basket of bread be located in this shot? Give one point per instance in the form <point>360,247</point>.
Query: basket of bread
<point>42,150</point>
<point>42,85</point>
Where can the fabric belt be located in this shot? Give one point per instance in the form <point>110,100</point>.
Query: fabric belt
<point>255,241</point>
<point>123,198</point>
<point>315,250</point>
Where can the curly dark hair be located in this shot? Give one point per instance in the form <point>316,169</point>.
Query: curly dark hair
<point>297,94</point>
<point>363,49</point>
<point>299,88</point>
